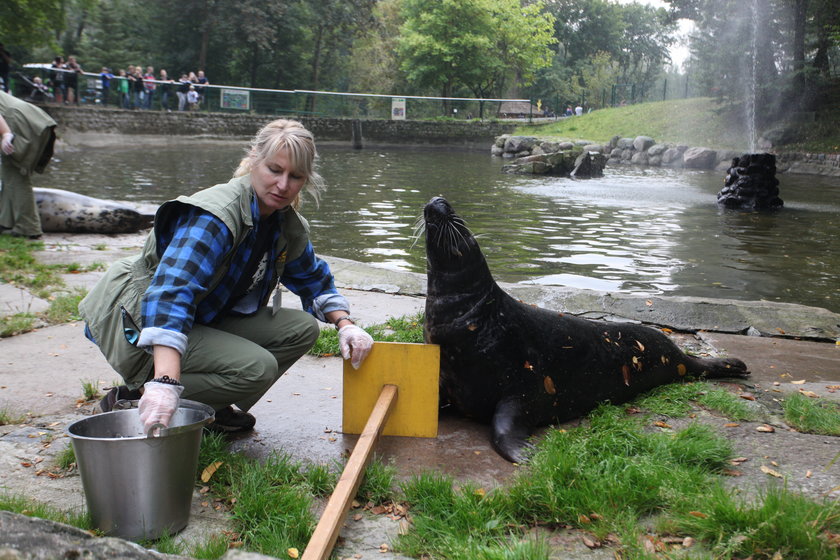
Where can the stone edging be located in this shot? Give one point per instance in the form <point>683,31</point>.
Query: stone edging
<point>644,150</point>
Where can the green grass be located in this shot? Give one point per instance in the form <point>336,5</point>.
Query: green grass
<point>616,480</point>
<point>19,323</point>
<point>9,416</point>
<point>90,390</point>
<point>395,329</point>
<point>25,506</point>
<point>66,458</point>
<point>693,122</point>
<point>271,501</point>
<point>676,400</point>
<point>19,267</point>
<point>813,416</point>
<point>780,524</point>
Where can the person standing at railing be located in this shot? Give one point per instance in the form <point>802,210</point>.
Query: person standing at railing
<point>72,80</point>
<point>57,79</point>
<point>149,85</point>
<point>105,77</point>
<point>164,88</point>
<point>122,89</point>
<point>201,81</point>
<point>138,92</point>
<point>182,91</point>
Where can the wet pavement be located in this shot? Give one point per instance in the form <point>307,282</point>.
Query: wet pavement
<point>41,375</point>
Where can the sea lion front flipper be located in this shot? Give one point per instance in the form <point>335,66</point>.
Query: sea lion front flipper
<point>511,429</point>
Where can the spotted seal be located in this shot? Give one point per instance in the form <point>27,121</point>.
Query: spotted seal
<point>65,211</point>
<point>519,366</point>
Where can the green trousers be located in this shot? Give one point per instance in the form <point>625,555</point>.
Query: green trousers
<point>18,210</point>
<point>239,358</point>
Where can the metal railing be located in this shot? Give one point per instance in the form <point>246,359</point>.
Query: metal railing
<point>238,99</point>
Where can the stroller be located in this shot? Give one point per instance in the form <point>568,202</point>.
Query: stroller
<point>38,91</point>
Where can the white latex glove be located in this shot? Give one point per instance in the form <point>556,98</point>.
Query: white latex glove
<point>158,403</point>
<point>6,144</point>
<point>355,344</point>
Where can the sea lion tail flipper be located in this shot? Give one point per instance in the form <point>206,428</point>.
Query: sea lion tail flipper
<point>511,430</point>
<point>723,367</point>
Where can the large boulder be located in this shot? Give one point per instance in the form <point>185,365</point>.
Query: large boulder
<point>624,143</point>
<point>699,158</point>
<point>657,149</point>
<point>518,144</point>
<point>642,143</point>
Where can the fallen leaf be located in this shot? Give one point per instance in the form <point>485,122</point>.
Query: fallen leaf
<point>584,519</point>
<point>590,543</point>
<point>528,365</point>
<point>766,429</point>
<point>472,327</point>
<point>625,373</point>
<point>648,302</point>
<point>688,542</point>
<point>293,553</point>
<point>774,463</point>
<point>808,474</point>
<point>799,382</point>
<point>358,517</point>
<point>698,514</point>
<point>771,472</point>
<point>809,394</point>
<point>681,370</point>
<point>666,330</point>
<point>662,424</point>
<point>738,460</point>
<point>383,548</point>
<point>732,472</point>
<point>632,410</point>
<point>548,383</point>
<point>731,425</point>
<point>747,396</point>
<point>26,464</point>
<point>641,346</point>
<point>210,470</point>
<point>480,492</point>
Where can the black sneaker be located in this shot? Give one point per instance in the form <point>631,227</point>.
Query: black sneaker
<point>229,420</point>
<point>119,393</point>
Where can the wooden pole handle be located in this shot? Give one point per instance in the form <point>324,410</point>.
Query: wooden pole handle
<point>326,532</point>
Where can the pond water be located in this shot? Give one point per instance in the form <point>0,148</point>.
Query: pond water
<point>644,231</point>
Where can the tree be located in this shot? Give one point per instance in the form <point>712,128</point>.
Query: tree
<point>477,44</point>
<point>28,23</point>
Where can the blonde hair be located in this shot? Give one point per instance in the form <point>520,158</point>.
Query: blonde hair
<point>289,135</point>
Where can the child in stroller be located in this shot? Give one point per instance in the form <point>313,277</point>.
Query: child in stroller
<point>38,90</point>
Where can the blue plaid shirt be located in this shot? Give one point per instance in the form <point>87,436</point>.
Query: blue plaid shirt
<point>192,251</point>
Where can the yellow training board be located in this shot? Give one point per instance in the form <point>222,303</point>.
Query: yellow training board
<point>414,369</point>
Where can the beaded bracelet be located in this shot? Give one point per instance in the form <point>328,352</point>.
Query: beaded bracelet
<point>166,380</point>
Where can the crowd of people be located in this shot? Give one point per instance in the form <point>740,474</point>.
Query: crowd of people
<point>132,88</point>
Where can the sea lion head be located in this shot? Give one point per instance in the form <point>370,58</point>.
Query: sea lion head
<point>450,246</point>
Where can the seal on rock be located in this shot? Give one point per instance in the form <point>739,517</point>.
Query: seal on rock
<point>65,211</point>
<point>519,366</point>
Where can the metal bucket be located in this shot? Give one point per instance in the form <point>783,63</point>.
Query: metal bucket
<point>139,487</point>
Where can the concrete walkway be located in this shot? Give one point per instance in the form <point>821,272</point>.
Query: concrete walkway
<point>42,372</point>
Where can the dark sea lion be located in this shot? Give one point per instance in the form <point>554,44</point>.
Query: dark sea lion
<point>519,366</point>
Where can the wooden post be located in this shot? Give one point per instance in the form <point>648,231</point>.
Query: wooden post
<point>323,539</point>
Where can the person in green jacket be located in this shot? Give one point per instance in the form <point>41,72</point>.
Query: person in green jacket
<point>190,316</point>
<point>27,138</point>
